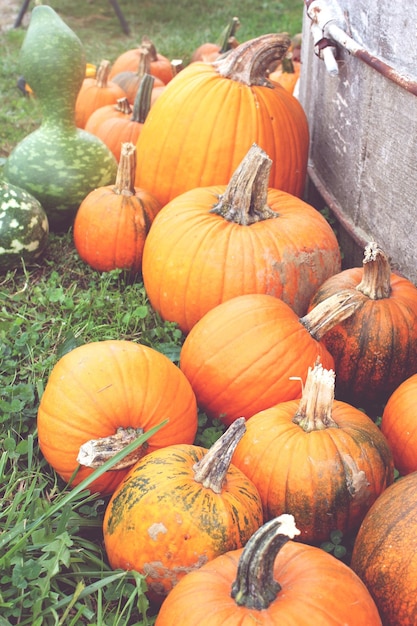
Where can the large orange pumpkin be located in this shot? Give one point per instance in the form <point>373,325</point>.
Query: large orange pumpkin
<point>271,581</point>
<point>207,118</point>
<point>211,244</point>
<point>101,387</point>
<point>242,356</point>
<point>385,553</point>
<point>399,425</point>
<point>375,349</point>
<point>178,508</point>
<point>322,460</point>
<point>112,222</point>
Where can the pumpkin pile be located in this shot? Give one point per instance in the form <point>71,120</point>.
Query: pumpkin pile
<point>197,190</point>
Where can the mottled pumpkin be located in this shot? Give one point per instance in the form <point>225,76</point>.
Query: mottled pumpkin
<point>385,553</point>
<point>271,581</point>
<point>101,387</point>
<point>207,118</point>
<point>211,244</point>
<point>319,459</point>
<point>178,508</point>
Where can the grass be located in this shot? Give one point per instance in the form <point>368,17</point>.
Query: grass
<point>53,567</point>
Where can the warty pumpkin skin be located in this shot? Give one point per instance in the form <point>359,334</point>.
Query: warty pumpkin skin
<point>101,386</point>
<point>319,459</point>
<point>178,508</point>
<point>271,581</point>
<point>214,243</point>
<point>209,115</point>
<point>385,553</point>
<point>375,349</point>
<point>250,352</point>
<point>399,425</point>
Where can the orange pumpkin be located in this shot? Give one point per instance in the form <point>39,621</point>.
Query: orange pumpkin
<point>204,123</point>
<point>385,553</point>
<point>375,349</point>
<point>214,243</point>
<point>128,61</point>
<point>399,425</point>
<point>131,81</point>
<point>121,109</point>
<point>240,356</point>
<point>272,580</point>
<point>112,222</point>
<point>321,460</point>
<point>101,387</point>
<point>178,508</point>
<point>96,92</point>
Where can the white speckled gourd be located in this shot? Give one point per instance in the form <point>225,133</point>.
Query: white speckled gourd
<point>24,227</point>
<point>58,163</point>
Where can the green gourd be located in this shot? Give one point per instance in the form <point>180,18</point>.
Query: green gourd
<point>58,163</point>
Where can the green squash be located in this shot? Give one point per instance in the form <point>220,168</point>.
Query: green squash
<point>24,227</point>
<point>58,163</point>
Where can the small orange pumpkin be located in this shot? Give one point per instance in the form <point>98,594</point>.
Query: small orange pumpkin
<point>107,390</point>
<point>178,508</point>
<point>128,61</point>
<point>112,222</point>
<point>272,580</point>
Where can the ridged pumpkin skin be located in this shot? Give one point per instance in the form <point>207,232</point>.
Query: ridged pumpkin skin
<point>316,588</point>
<point>101,386</point>
<point>328,479</point>
<point>239,356</point>
<point>203,124</point>
<point>163,523</point>
<point>375,349</point>
<point>399,425</point>
<point>385,553</point>
<point>194,259</point>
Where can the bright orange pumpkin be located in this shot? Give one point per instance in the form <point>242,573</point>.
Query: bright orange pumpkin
<point>178,508</point>
<point>271,581</point>
<point>375,349</point>
<point>96,92</point>
<point>240,357</point>
<point>322,460</point>
<point>385,553</point>
<point>100,387</point>
<point>214,243</point>
<point>399,425</point>
<point>207,118</point>
<point>112,222</point>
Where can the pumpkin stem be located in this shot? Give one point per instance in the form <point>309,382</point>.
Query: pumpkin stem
<point>315,409</point>
<point>255,587</point>
<point>376,279</point>
<point>123,105</point>
<point>102,75</point>
<point>126,171</point>
<point>244,201</point>
<point>250,61</point>
<point>330,312</point>
<point>142,102</point>
<point>150,46</point>
<point>95,452</point>
<point>211,470</point>
<point>228,36</point>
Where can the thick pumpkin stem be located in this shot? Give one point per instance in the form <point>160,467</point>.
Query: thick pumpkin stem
<point>102,75</point>
<point>211,470</point>
<point>142,103</point>
<point>245,199</point>
<point>376,279</point>
<point>228,36</point>
<point>123,105</point>
<point>331,311</point>
<point>255,587</point>
<point>126,171</point>
<point>250,61</point>
<point>150,46</point>
<point>95,452</point>
<point>315,409</point>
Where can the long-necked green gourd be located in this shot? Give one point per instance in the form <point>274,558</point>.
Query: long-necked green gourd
<point>58,163</point>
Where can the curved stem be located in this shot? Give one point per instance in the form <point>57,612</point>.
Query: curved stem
<point>211,470</point>
<point>376,279</point>
<point>102,75</point>
<point>250,61</point>
<point>331,311</point>
<point>245,199</point>
<point>95,452</point>
<point>316,405</point>
<point>255,587</point>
